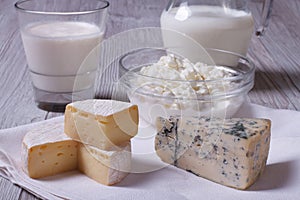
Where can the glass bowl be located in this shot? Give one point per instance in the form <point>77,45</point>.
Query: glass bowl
<point>145,91</point>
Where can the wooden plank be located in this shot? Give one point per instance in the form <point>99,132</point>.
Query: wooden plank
<point>8,190</point>
<point>16,105</point>
<point>28,196</point>
<point>276,56</point>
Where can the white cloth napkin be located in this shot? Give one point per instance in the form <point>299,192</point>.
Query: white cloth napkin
<point>153,180</point>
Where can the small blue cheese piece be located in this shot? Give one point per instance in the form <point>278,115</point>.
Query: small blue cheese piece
<point>232,152</point>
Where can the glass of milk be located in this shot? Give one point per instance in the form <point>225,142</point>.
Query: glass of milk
<point>61,41</point>
<point>219,24</point>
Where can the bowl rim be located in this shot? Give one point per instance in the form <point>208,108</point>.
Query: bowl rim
<point>240,76</point>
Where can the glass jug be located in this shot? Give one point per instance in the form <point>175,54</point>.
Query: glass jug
<point>219,24</point>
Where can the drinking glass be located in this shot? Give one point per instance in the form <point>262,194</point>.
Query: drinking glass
<point>60,39</point>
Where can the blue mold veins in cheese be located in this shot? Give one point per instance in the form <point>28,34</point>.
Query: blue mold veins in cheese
<point>232,152</point>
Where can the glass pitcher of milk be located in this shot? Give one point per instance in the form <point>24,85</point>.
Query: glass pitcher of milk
<point>219,24</point>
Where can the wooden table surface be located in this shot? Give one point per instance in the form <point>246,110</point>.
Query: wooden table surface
<point>276,56</point>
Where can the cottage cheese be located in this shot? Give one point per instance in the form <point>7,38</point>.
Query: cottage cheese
<point>175,86</point>
<point>183,79</point>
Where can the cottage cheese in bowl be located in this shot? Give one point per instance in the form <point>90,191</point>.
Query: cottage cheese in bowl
<point>176,86</point>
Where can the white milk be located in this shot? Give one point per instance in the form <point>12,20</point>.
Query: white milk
<point>55,52</point>
<point>211,26</point>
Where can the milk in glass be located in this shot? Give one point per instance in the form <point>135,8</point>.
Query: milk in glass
<point>55,51</point>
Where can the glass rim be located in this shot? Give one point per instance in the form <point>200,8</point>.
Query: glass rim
<point>18,6</point>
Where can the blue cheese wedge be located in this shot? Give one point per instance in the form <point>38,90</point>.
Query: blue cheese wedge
<point>232,152</point>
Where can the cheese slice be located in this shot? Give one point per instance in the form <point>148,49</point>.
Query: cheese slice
<point>48,151</point>
<point>105,167</point>
<point>101,123</point>
<point>232,152</point>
